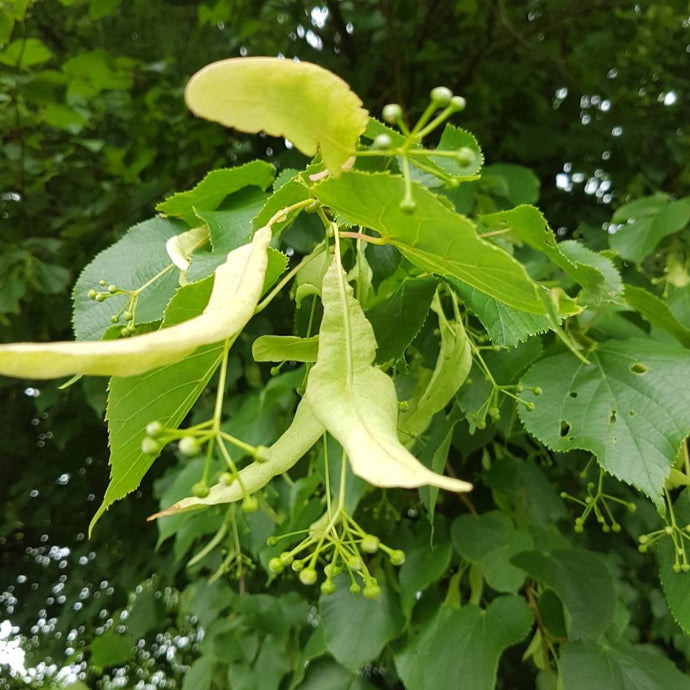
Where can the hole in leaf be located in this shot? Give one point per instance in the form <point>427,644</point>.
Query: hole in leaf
<point>638,368</point>
<point>612,417</point>
<point>632,413</point>
<point>565,428</point>
<point>573,394</point>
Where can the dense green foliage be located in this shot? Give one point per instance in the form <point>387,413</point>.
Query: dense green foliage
<point>549,374</point>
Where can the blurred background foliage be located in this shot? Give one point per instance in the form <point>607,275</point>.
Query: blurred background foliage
<point>592,95</point>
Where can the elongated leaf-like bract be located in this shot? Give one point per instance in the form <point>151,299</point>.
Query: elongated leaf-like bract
<point>236,291</point>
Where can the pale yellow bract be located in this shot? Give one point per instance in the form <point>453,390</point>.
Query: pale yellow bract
<point>305,103</point>
<point>236,291</point>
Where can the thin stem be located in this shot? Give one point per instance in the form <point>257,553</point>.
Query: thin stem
<point>287,278</point>
<point>349,357</point>
<point>361,236</point>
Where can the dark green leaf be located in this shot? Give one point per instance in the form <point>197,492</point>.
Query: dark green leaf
<point>582,581</point>
<point>463,644</point>
<point>625,407</point>
<point>585,666</point>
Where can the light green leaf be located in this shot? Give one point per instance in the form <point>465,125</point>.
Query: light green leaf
<point>165,394</point>
<point>299,437</point>
<point>626,407</point>
<point>305,103</point>
<point>676,586</point>
<point>579,255</point>
<point>131,262</point>
<point>506,326</point>
<point>455,138</point>
<point>200,673</point>
<point>218,184</point>
<point>586,666</point>
<point>464,645</point>
<point>236,291</point>
<point>24,53</point>
<point>657,312</point>
<point>355,401</point>
<point>285,348</point>
<point>582,581</point>
<point>529,225</point>
<point>397,319</point>
<point>112,649</point>
<point>357,628</point>
<point>452,367</point>
<point>434,237</point>
<point>490,540</point>
<point>646,222</point>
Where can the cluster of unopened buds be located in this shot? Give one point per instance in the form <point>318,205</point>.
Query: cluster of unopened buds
<point>336,545</point>
<point>443,104</point>
<point>126,314</point>
<point>202,439</point>
<point>597,503</point>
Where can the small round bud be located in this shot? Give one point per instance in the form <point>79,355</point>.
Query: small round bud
<point>150,446</point>
<point>668,530</point>
<point>632,508</point>
<point>200,489</point>
<point>286,558</point>
<point>383,142</point>
<point>355,588</point>
<point>397,557</point>
<point>481,424</point>
<point>677,568</point>
<point>112,289</point>
<point>440,96</point>
<point>188,446</point>
<point>642,548</point>
<point>465,156</point>
<point>605,528</point>
<point>685,567</point>
<point>91,294</point>
<point>403,405</point>
<point>392,113</point>
<point>530,406</point>
<point>494,412</point>
<point>370,543</point>
<point>271,541</point>
<point>250,504</point>
<point>537,391</point>
<point>330,570</point>
<point>564,494</point>
<point>589,500</point>
<point>458,103</point>
<point>355,563</point>
<point>327,587</point>
<point>297,565</point>
<point>308,576</point>
<point>127,315</point>
<point>644,538</point>
<point>615,527</point>
<point>114,319</point>
<point>100,297</point>
<point>274,371</point>
<point>102,283</point>
<point>408,206</point>
<point>372,590</point>
<point>275,566</point>
<point>226,478</point>
<point>579,528</point>
<point>154,429</point>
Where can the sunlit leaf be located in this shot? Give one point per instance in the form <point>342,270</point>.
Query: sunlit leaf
<point>236,291</point>
<point>434,237</point>
<point>285,348</point>
<point>355,401</point>
<point>310,106</point>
